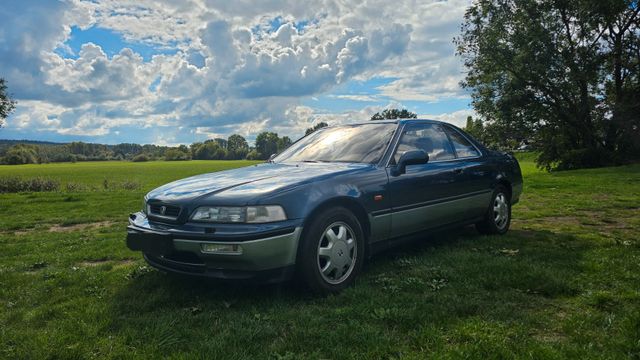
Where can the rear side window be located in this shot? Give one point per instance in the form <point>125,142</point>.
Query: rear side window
<point>428,137</point>
<point>463,147</point>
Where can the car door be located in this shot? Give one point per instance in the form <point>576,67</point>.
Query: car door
<point>473,174</point>
<point>426,195</point>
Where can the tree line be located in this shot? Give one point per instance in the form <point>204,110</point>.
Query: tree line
<point>562,76</point>
<point>235,147</point>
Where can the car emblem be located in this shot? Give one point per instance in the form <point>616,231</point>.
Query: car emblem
<point>163,210</point>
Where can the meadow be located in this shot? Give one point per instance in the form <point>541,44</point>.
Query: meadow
<point>563,283</point>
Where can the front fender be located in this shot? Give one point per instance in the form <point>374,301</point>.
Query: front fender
<point>360,187</point>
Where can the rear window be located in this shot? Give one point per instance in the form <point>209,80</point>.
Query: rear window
<point>463,147</point>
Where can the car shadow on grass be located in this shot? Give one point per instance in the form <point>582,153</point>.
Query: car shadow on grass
<point>456,282</point>
<point>537,262</point>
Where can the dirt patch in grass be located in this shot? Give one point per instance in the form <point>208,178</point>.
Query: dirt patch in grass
<point>94,263</point>
<point>590,218</point>
<point>116,263</point>
<point>550,337</point>
<point>124,263</point>
<point>78,227</point>
<point>61,228</point>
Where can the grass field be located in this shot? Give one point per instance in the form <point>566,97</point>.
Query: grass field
<point>564,282</point>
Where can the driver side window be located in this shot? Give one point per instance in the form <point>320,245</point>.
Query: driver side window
<point>428,137</point>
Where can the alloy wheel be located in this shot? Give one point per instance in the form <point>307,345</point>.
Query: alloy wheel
<point>500,211</point>
<point>337,252</point>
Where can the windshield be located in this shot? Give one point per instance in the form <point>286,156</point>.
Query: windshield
<point>363,143</point>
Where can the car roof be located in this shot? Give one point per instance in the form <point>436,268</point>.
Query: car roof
<point>398,121</point>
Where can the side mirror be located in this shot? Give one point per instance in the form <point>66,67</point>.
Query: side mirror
<point>270,159</point>
<point>413,157</point>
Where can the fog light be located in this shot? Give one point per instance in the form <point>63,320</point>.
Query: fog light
<point>225,249</point>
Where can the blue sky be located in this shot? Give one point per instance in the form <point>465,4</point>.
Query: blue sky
<point>163,73</point>
<point>111,43</point>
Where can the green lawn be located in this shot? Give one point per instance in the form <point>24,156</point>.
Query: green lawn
<point>564,282</point>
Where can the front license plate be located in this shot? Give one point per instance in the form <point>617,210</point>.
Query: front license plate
<point>149,243</point>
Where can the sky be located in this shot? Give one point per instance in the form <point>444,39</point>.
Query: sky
<point>179,71</point>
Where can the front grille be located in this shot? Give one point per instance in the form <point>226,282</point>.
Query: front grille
<point>164,210</point>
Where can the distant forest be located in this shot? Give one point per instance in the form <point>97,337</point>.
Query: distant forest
<point>235,147</point>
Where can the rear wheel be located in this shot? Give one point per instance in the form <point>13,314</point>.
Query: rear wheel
<point>332,251</point>
<point>498,216</point>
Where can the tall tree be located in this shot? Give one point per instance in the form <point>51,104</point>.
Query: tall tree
<point>317,126</point>
<point>237,147</point>
<point>266,144</point>
<point>283,143</point>
<point>209,150</point>
<point>221,142</point>
<point>7,104</point>
<point>622,88</point>
<point>394,114</point>
<point>537,72</point>
<point>475,128</point>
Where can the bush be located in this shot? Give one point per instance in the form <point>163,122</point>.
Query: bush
<point>130,185</point>
<point>253,155</point>
<point>16,185</point>
<point>176,155</point>
<point>21,154</point>
<point>76,187</point>
<point>140,158</point>
<point>209,150</point>
<point>577,159</point>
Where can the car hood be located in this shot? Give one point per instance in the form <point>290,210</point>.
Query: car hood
<point>249,182</point>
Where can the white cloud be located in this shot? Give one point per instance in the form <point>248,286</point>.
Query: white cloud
<point>95,77</point>
<point>364,98</point>
<point>236,68</point>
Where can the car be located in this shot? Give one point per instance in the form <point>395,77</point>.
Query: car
<point>324,205</point>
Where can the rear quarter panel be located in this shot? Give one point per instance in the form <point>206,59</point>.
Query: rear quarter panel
<point>507,169</point>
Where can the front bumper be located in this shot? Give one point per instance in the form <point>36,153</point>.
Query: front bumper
<point>267,254</point>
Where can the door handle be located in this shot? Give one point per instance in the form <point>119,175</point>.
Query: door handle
<point>458,171</point>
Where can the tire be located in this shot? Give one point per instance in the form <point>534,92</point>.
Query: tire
<point>340,258</point>
<point>498,216</point>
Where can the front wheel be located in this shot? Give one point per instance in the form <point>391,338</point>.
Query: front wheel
<point>498,216</point>
<point>332,251</point>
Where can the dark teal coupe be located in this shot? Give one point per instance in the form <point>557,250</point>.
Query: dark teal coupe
<point>324,205</point>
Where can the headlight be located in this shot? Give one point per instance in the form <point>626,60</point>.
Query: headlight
<point>220,214</point>
<point>265,214</point>
<point>251,214</point>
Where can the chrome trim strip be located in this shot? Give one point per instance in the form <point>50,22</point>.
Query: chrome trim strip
<point>433,215</point>
<point>441,201</point>
<point>427,203</point>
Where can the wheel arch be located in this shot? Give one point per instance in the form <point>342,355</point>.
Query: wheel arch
<point>350,204</point>
<point>503,181</point>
